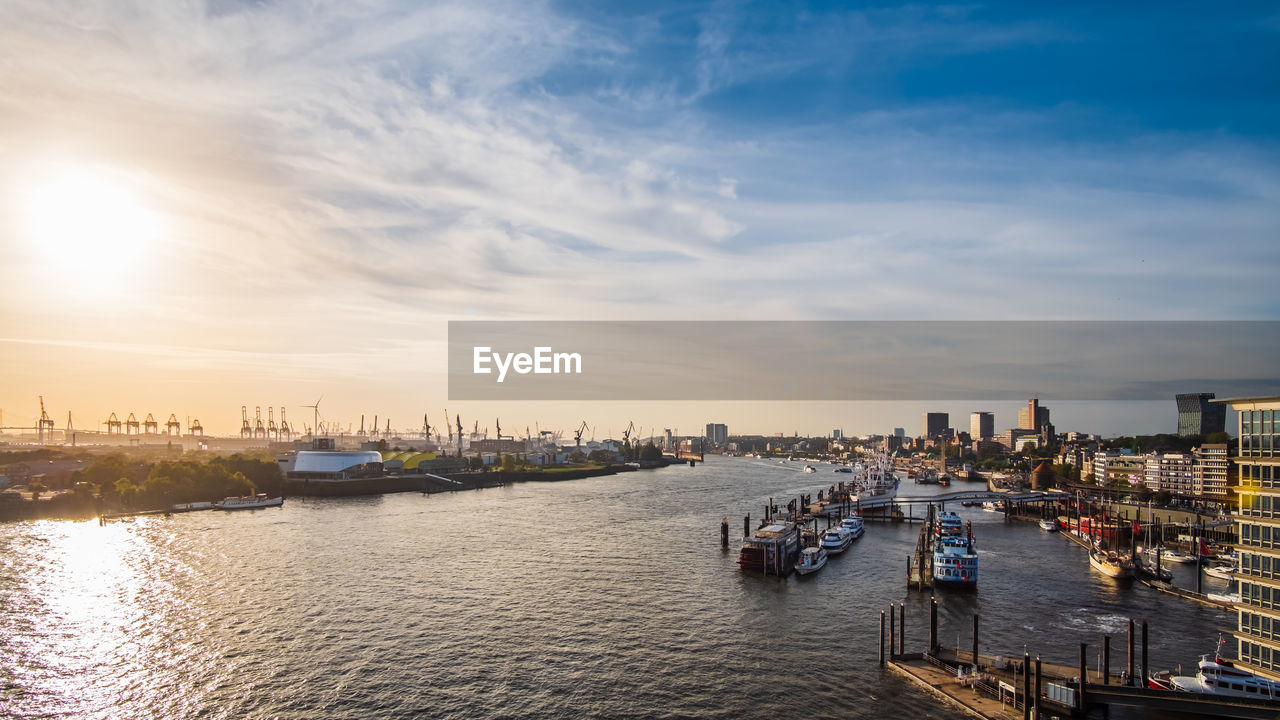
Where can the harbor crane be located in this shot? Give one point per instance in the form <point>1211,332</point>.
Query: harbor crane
<point>195,428</point>
<point>284,426</point>
<point>113,424</point>
<point>150,425</point>
<point>131,425</point>
<point>272,429</point>
<point>245,429</point>
<point>171,426</point>
<point>626,434</point>
<point>577,434</point>
<point>259,428</point>
<point>458,417</point>
<point>447,426</point>
<point>426,428</point>
<point>46,422</point>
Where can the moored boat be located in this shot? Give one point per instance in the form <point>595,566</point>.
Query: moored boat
<point>812,559</point>
<point>854,525</point>
<point>1049,525</point>
<point>836,540</point>
<point>1111,564</point>
<point>1173,556</point>
<point>1222,572</point>
<point>1220,676</point>
<point>248,502</point>
<point>772,549</point>
<point>955,562</point>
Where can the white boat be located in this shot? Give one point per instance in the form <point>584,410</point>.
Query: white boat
<point>1222,572</point>
<point>1221,677</point>
<point>993,506</point>
<point>1224,597</point>
<point>810,468</point>
<point>1173,556</point>
<point>955,562</point>
<point>248,502</point>
<point>949,525</point>
<point>1111,564</point>
<point>836,540</point>
<point>854,525</point>
<point>1049,525</point>
<point>812,559</point>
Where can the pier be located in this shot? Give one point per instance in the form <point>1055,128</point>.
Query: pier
<point>1007,686</point>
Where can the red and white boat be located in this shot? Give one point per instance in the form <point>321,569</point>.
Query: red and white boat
<point>1219,676</point>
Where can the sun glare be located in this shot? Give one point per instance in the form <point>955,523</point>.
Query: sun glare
<point>88,225</point>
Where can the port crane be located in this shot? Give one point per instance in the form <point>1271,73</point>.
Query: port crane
<point>577,434</point>
<point>113,424</point>
<point>46,422</point>
<point>458,417</point>
<point>272,429</point>
<point>245,429</point>
<point>195,428</point>
<point>284,426</point>
<point>131,425</point>
<point>171,426</point>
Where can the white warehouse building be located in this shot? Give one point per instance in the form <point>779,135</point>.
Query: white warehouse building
<point>335,465</point>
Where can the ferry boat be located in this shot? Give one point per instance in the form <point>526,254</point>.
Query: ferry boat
<point>854,525</point>
<point>836,540</point>
<point>1220,676</point>
<point>248,502</point>
<point>1049,525</point>
<point>812,559</point>
<point>1111,564</point>
<point>955,562</point>
<point>772,549</point>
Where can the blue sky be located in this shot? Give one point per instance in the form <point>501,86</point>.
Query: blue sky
<point>333,182</point>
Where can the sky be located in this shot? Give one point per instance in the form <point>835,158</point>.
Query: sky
<point>205,205</point>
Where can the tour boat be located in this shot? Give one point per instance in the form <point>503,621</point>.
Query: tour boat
<point>771,549</point>
<point>1220,676</point>
<point>1049,525</point>
<point>836,540</point>
<point>1111,564</point>
<point>854,525</point>
<point>949,524</point>
<point>955,562</point>
<point>812,559</point>
<point>248,502</point>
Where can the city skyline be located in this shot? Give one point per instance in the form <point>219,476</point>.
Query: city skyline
<point>210,206</point>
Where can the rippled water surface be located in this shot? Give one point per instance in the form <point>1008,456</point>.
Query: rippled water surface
<point>606,597</point>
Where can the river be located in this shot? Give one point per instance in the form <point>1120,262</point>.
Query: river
<point>603,597</point>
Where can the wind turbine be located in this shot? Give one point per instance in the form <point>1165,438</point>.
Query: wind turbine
<point>315,414</point>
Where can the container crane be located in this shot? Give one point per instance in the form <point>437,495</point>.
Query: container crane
<point>131,425</point>
<point>245,429</point>
<point>150,425</point>
<point>46,422</point>
<point>171,426</point>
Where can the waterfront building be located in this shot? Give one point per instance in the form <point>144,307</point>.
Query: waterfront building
<point>1169,471</point>
<point>1210,471</point>
<point>323,465</point>
<point>982,425</point>
<point>1258,519</point>
<point>935,424</point>
<point>1111,467</point>
<point>1198,415</point>
<point>717,434</point>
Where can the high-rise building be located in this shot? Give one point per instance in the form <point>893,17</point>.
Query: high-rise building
<point>1258,519</point>
<point>837,434</point>
<point>1033,417</point>
<point>717,434</point>
<point>982,425</point>
<point>1210,471</point>
<point>899,432</point>
<point>935,424</point>
<point>1198,416</point>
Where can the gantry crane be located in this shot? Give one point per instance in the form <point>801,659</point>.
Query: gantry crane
<point>150,425</point>
<point>245,429</point>
<point>46,422</point>
<point>131,425</point>
<point>171,426</point>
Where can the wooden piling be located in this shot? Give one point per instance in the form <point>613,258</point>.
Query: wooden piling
<point>891,634</point>
<point>724,531</point>
<point>1146,669</point>
<point>975,642</point>
<point>902,628</point>
<point>882,634</point>
<point>1026,686</point>
<point>1131,658</point>
<point>1084,676</point>
<point>1106,659</point>
<point>1035,690</point>
<point>933,625</point>
<point>746,526</point>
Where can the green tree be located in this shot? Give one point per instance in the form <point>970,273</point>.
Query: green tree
<point>508,463</point>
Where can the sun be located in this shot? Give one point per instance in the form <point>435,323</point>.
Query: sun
<point>88,224</point>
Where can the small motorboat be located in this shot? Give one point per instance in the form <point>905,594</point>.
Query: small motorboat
<point>1222,572</point>
<point>1049,525</point>
<point>1173,556</point>
<point>810,469</point>
<point>812,559</point>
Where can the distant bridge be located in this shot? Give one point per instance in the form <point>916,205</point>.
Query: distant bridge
<point>885,501</point>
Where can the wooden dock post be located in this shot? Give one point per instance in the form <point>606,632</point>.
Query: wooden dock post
<point>1131,658</point>
<point>1035,690</point>
<point>933,625</point>
<point>1084,677</point>
<point>891,634</point>
<point>1106,659</point>
<point>746,526</point>
<point>902,628</point>
<point>1026,686</point>
<point>975,642</point>
<point>1146,670</point>
<point>882,634</point>
<point>724,531</point>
